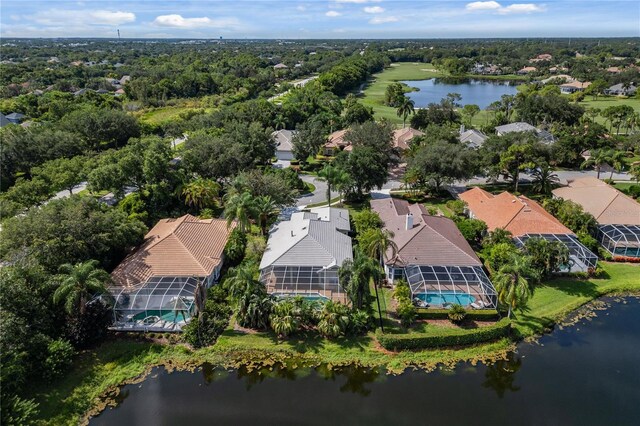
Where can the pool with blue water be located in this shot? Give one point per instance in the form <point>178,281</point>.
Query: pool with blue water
<point>439,299</point>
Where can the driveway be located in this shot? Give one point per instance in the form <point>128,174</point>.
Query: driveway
<point>317,196</point>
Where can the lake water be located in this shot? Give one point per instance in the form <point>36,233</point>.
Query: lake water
<point>473,91</point>
<point>586,374</point>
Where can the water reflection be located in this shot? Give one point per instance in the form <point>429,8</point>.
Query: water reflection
<point>356,377</point>
<point>501,375</point>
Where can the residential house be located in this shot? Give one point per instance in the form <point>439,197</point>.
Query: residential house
<point>336,141</point>
<point>621,89</point>
<point>433,257</point>
<point>520,126</point>
<point>472,137</point>
<point>541,57</point>
<point>280,66</point>
<point>525,219</point>
<point>3,120</point>
<point>618,215</point>
<point>614,70</point>
<point>284,144</point>
<point>401,137</point>
<point>526,70</point>
<point>161,285</point>
<point>15,117</point>
<point>304,254</point>
<point>574,86</point>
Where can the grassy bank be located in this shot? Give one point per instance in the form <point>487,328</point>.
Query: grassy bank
<point>373,95</point>
<point>97,373</point>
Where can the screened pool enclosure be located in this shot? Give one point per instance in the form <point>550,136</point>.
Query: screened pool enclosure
<point>620,240</point>
<point>310,282</point>
<point>581,259</point>
<point>443,286</point>
<point>160,304</point>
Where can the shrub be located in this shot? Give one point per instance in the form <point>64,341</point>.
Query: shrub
<point>442,337</point>
<point>456,314</point>
<point>433,211</point>
<point>478,315</point>
<point>360,322</point>
<point>59,357</point>
<point>633,191</point>
<point>402,290</point>
<point>406,312</point>
<point>235,248</point>
<point>457,207</point>
<point>588,241</point>
<point>472,229</point>
<point>366,219</point>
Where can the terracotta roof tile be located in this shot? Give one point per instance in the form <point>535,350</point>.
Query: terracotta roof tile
<point>186,246</point>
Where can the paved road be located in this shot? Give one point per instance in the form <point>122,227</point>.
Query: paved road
<point>318,196</point>
<point>296,84</point>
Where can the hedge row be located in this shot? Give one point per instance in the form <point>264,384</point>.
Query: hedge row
<point>440,337</point>
<point>480,315</point>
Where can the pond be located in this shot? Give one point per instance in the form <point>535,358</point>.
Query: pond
<point>585,374</point>
<point>473,91</point>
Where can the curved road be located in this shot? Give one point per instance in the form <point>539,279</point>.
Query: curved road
<point>317,196</point>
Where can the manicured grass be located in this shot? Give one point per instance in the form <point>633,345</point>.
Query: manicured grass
<point>373,95</point>
<point>606,101</point>
<point>556,298</point>
<point>157,116</point>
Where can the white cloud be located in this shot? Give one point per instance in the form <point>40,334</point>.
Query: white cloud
<point>178,21</point>
<point>373,9</point>
<point>483,5</point>
<point>107,17</point>
<point>383,20</point>
<point>301,8</point>
<point>494,6</point>
<point>522,8</point>
<point>333,14</point>
<point>356,1</point>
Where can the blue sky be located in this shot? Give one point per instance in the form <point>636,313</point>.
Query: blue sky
<point>319,18</point>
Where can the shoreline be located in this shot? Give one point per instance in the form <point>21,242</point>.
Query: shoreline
<point>488,353</point>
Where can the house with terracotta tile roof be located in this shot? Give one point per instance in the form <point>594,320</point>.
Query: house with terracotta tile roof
<point>524,219</point>
<point>574,86</point>
<point>617,214</point>
<point>433,257</point>
<point>159,285</point>
<point>336,141</point>
<point>526,70</point>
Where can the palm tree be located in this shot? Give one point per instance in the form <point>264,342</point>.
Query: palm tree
<point>334,178</point>
<point>544,178</point>
<point>265,209</point>
<point>201,193</point>
<point>405,109</point>
<point>598,158</point>
<point>78,283</point>
<point>376,243</point>
<point>617,162</point>
<point>241,208</point>
<point>512,284</point>
<point>354,277</point>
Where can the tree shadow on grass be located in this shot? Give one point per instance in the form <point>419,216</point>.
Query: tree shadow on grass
<point>538,325</point>
<point>574,287</point>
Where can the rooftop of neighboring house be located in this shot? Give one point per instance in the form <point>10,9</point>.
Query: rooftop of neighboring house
<point>577,84</point>
<point>423,239</point>
<point>182,247</point>
<point>528,69</point>
<point>472,137</point>
<point>283,139</point>
<point>517,214</point>
<point>401,137</point>
<point>314,238</point>
<point>608,205</point>
<point>519,126</point>
<point>336,139</point>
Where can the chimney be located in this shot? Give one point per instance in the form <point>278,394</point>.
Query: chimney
<point>409,221</point>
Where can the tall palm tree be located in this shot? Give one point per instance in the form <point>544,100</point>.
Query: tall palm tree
<point>241,208</point>
<point>265,210</point>
<point>599,157</point>
<point>201,193</point>
<point>512,283</point>
<point>544,178</point>
<point>405,109</point>
<point>78,283</point>
<point>355,276</point>
<point>334,178</point>
<point>617,162</point>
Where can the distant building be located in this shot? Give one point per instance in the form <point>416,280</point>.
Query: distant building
<point>284,143</point>
<point>543,135</point>
<point>337,143</point>
<point>574,86</point>
<point>526,70</point>
<point>621,90</point>
<point>3,120</point>
<point>280,66</point>
<point>541,57</point>
<point>472,137</point>
<point>15,117</point>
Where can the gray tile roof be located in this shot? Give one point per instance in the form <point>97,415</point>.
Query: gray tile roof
<point>283,139</point>
<point>473,138</point>
<point>520,126</point>
<point>315,238</point>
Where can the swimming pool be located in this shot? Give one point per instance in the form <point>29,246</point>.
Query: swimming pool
<point>440,299</point>
<point>312,297</point>
<point>169,316</point>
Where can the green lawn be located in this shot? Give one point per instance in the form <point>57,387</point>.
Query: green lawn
<point>373,95</point>
<point>96,374</point>
<point>157,116</point>
<point>606,101</point>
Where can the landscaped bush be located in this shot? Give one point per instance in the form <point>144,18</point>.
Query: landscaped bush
<point>456,206</point>
<point>405,310</point>
<point>441,337</point>
<point>456,314</point>
<point>633,191</point>
<point>59,358</point>
<point>204,329</point>
<point>478,315</point>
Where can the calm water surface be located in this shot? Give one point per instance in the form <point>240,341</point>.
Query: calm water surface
<point>478,92</point>
<point>587,374</point>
